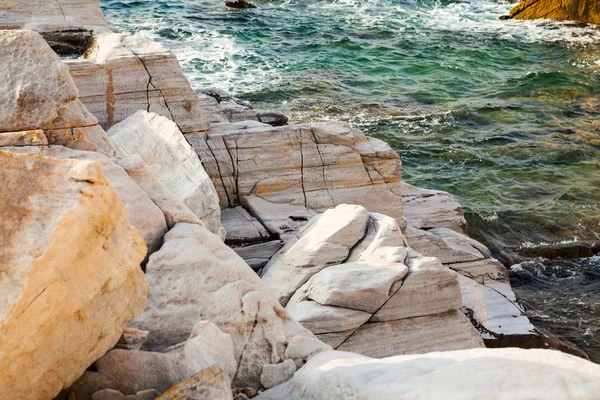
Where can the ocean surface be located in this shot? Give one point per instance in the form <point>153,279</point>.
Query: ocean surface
<point>505,115</point>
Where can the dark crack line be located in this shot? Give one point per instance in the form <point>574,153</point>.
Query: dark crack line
<point>302,171</point>
<point>244,348</point>
<point>322,166</point>
<point>234,165</point>
<point>218,169</point>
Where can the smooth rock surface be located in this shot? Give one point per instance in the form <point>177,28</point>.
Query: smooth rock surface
<point>70,275</point>
<point>457,375</point>
<point>241,227</point>
<point>440,332</point>
<point>161,145</point>
<point>325,241</point>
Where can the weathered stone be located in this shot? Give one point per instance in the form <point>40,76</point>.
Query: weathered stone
<point>302,348</point>
<point>87,384</point>
<point>280,220</point>
<point>89,138</point>
<point>49,15</point>
<point>441,332</point>
<point>276,374</point>
<point>110,394</point>
<point>163,147</point>
<point>325,319</point>
<point>23,138</point>
<point>324,242</point>
<point>209,384</point>
<point>194,277</point>
<point>143,213</point>
<point>132,371</point>
<point>383,243</point>
<point>428,289</point>
<point>362,287</point>
<point>258,255</point>
<point>482,270</point>
<point>462,249</point>
<point>241,227</point>
<point>317,165</point>
<point>70,277</point>
<point>493,308</point>
<point>458,375</point>
<point>132,339</point>
<point>27,102</point>
<point>122,74</point>
<point>574,10</point>
<point>172,207</point>
<point>425,209</point>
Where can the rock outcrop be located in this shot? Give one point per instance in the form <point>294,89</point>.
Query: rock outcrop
<point>573,10</point>
<point>195,277</point>
<point>317,166</point>
<point>514,374</point>
<point>48,105</point>
<point>162,146</point>
<point>70,276</point>
<point>350,278</point>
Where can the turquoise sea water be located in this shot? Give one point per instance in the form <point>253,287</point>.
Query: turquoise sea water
<point>502,114</point>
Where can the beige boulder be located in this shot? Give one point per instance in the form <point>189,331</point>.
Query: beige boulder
<point>70,275</point>
<point>161,145</point>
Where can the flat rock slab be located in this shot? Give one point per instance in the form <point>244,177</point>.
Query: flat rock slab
<point>425,209</point>
<point>241,227</point>
<point>258,255</point>
<point>441,332</point>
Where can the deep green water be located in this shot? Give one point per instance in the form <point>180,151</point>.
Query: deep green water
<point>502,114</point>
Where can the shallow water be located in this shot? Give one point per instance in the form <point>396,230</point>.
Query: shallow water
<point>503,114</point>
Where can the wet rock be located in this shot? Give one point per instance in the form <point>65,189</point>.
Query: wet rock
<point>258,255</point>
<point>239,4</point>
<point>563,250</point>
<point>241,227</point>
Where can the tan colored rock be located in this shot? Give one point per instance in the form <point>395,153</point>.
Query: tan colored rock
<point>147,218</point>
<point>325,241</point>
<point>110,394</point>
<point>317,165</point>
<point>50,104</point>
<point>573,10</point>
<point>70,277</point>
<point>441,332</point>
<point>474,374</point>
<point>209,384</point>
<point>122,74</point>
<point>161,145</point>
<point>23,138</point>
<point>452,248</point>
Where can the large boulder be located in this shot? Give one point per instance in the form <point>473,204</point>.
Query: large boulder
<point>70,275</point>
<point>475,374</point>
<point>161,145</point>
<point>49,104</point>
<point>573,10</point>
<point>195,276</point>
<point>143,213</point>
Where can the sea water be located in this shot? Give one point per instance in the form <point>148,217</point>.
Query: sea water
<point>502,114</point>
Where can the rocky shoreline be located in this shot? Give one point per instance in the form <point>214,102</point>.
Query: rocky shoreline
<point>280,261</point>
